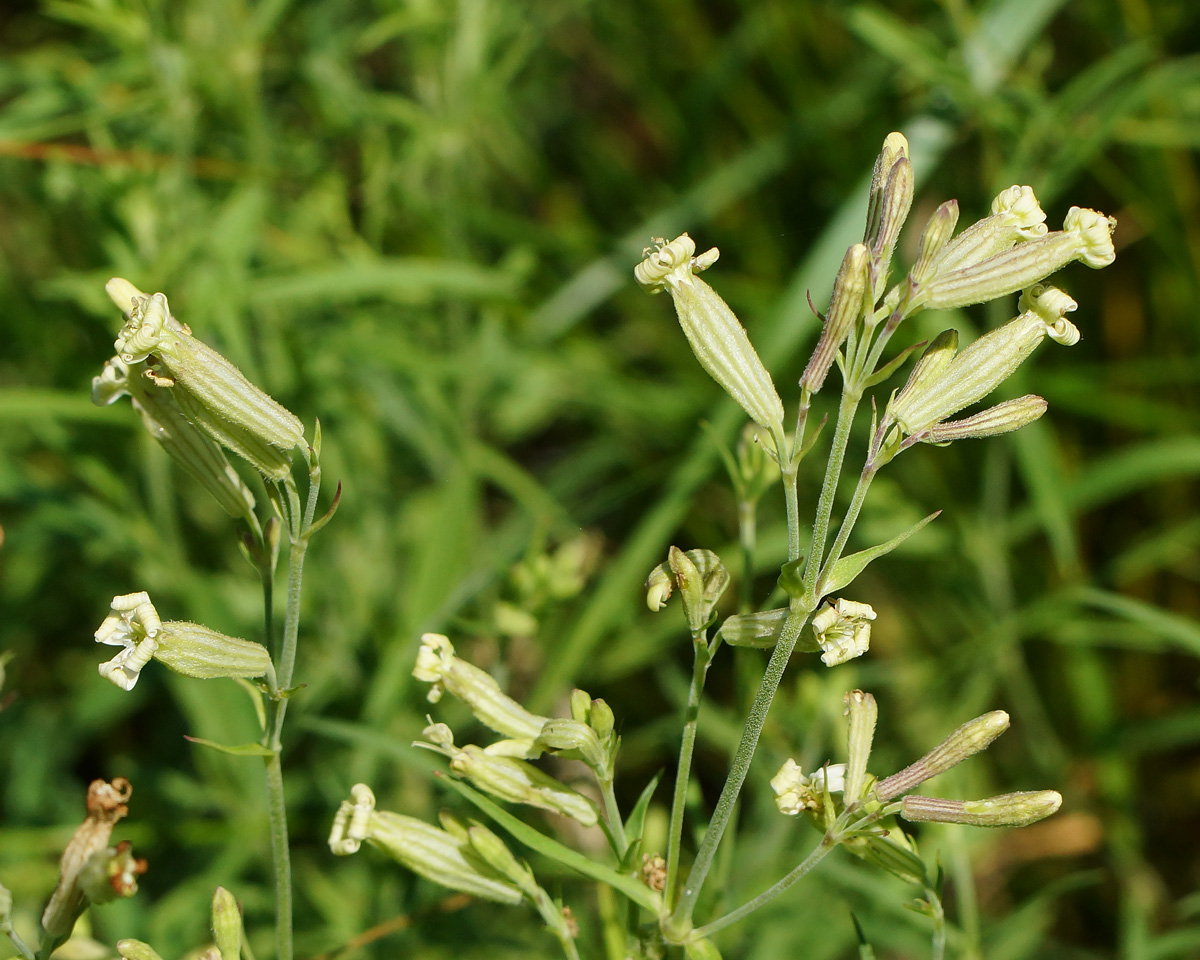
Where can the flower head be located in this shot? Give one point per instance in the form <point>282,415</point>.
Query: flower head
<point>843,630</point>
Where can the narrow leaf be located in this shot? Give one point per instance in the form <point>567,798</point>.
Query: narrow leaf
<point>848,568</point>
<point>241,750</point>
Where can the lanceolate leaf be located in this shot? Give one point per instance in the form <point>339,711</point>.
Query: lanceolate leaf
<point>241,750</point>
<point>848,568</point>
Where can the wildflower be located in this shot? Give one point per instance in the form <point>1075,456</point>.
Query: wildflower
<point>795,792</point>
<point>434,854</point>
<point>437,665</point>
<point>212,393</point>
<point>717,338</point>
<point>187,648</point>
<point>843,630</point>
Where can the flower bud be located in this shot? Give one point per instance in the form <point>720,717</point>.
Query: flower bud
<point>895,203</point>
<point>716,337</point>
<point>1086,236</point>
<point>571,738</point>
<point>1002,418</point>
<point>895,148</point>
<point>863,713</point>
<point>966,741</point>
<point>1006,810</point>
<point>659,587</point>
<point>843,630</point>
<point>933,240</point>
<point>845,307</point>
<point>227,924</point>
<point>702,579</point>
<point>437,664</point>
<point>602,720</point>
<point>495,853</point>
<point>136,950</point>
<point>890,850</point>
<point>434,854</point>
<point>520,782</point>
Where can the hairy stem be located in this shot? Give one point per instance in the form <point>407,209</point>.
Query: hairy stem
<point>797,617</point>
<point>280,857</point>
<point>684,770</point>
<point>816,856</point>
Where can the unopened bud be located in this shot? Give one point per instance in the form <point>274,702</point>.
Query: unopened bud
<point>715,334</point>
<point>895,148</point>
<point>518,781</point>
<point>1006,810</point>
<point>136,950</point>
<point>437,664</point>
<point>1002,418</point>
<point>574,739</point>
<point>863,714</point>
<point>495,853</point>
<point>934,239</point>
<point>227,924</point>
<point>602,720</point>
<point>972,737</point>
<point>659,587</point>
<point>434,854</point>
<point>896,202</point>
<point>845,307</point>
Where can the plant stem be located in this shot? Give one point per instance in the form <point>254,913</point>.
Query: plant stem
<point>798,615</point>
<point>816,856</point>
<point>683,772</point>
<point>939,923</point>
<point>280,857</point>
<point>299,525</point>
<point>843,535</point>
<point>612,813</point>
<point>22,947</point>
<point>833,472</point>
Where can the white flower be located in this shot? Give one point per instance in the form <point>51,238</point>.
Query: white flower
<point>132,623</point>
<point>795,792</point>
<point>843,629</point>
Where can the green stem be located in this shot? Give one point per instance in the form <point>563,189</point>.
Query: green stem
<point>612,813</point>
<point>299,526</point>
<point>683,772</point>
<point>843,535</point>
<point>939,924</point>
<point>798,616</point>
<point>22,947</point>
<point>833,472</point>
<point>816,856</point>
<point>280,857</point>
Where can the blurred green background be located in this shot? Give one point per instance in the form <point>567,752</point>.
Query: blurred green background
<point>418,220</point>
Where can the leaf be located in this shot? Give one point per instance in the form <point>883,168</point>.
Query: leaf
<point>640,894</point>
<point>635,823</point>
<point>892,365</point>
<point>848,568</point>
<point>242,750</point>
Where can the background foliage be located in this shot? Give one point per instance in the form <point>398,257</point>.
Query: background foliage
<point>418,220</point>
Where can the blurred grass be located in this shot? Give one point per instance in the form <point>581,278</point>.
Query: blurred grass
<point>418,220</point>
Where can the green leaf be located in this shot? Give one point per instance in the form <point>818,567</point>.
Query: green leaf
<point>848,568</point>
<point>640,894</point>
<point>241,750</point>
<point>635,823</point>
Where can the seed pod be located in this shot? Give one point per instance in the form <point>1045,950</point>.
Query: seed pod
<point>845,307</point>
